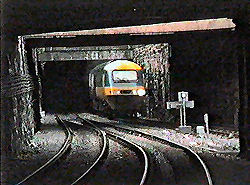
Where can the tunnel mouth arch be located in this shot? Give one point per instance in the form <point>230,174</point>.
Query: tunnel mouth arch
<point>27,43</point>
<point>61,63</point>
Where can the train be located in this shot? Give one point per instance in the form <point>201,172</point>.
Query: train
<point>117,86</point>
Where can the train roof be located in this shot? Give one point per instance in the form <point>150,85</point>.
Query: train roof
<point>117,65</point>
<point>122,65</point>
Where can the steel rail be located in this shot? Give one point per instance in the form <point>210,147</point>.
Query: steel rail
<point>104,147</point>
<point>185,148</point>
<point>146,161</point>
<point>62,150</point>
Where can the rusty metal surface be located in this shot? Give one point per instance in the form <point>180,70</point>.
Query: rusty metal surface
<point>161,28</point>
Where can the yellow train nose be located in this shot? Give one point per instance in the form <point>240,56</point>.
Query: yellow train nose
<point>140,91</point>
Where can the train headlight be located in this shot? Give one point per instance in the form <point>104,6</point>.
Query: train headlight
<point>134,92</point>
<point>141,92</point>
<point>118,92</point>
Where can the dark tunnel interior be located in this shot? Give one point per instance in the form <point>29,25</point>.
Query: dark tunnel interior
<point>65,86</point>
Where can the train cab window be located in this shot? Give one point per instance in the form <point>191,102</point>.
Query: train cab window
<point>106,80</point>
<point>140,78</point>
<point>98,80</point>
<point>125,76</point>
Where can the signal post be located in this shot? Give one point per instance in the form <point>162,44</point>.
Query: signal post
<point>182,104</point>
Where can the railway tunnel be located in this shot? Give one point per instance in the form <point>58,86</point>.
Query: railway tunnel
<point>65,86</point>
<point>64,72</point>
<point>31,63</point>
<point>57,78</point>
<point>210,65</point>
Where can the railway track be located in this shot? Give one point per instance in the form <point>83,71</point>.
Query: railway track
<point>139,150</point>
<point>56,157</point>
<point>112,131</point>
<point>187,150</point>
<point>225,132</point>
<point>98,159</point>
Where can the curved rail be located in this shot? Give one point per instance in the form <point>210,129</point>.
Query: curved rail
<point>63,149</point>
<point>146,161</point>
<point>209,179</point>
<point>104,138</point>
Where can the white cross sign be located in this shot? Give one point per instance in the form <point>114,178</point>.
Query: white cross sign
<point>181,104</point>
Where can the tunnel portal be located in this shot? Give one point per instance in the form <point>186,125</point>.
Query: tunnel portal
<point>65,86</point>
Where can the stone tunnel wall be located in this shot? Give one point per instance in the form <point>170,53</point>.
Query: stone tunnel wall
<point>22,85</point>
<point>18,89</point>
<point>155,59</point>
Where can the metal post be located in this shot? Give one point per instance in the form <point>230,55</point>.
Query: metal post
<point>181,116</point>
<point>182,103</point>
<point>206,121</point>
<point>184,111</point>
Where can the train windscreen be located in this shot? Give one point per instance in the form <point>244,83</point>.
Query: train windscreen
<point>125,76</point>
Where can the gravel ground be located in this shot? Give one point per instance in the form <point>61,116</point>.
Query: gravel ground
<point>225,168</point>
<point>120,167</point>
<point>85,149</point>
<point>219,152</point>
<point>170,165</point>
<point>41,149</point>
<point>214,142</point>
